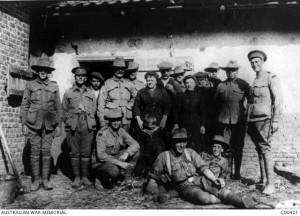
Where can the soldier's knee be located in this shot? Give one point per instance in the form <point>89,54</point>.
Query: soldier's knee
<point>113,172</point>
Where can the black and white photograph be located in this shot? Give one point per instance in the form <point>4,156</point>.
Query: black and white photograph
<point>149,104</point>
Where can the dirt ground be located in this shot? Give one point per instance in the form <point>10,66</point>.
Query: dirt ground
<point>65,197</point>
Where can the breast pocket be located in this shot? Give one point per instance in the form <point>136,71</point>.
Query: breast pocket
<point>260,91</point>
<point>114,93</point>
<point>238,94</point>
<point>176,171</point>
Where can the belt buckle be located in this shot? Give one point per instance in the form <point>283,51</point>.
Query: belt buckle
<point>82,117</point>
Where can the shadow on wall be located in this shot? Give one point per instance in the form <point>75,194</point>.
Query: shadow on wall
<point>26,158</point>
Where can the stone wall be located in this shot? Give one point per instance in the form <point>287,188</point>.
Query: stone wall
<point>14,49</point>
<point>285,144</point>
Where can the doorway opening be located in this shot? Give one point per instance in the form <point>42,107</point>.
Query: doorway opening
<point>103,65</point>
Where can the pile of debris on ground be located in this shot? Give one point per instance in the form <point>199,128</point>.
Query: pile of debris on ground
<point>64,197</point>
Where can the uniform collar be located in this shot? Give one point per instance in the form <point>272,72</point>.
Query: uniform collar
<point>114,133</point>
<point>262,73</point>
<point>118,80</point>
<point>229,81</point>
<point>77,88</point>
<point>43,81</point>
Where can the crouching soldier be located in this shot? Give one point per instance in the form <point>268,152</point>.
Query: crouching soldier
<point>182,171</point>
<point>116,153</point>
<point>79,107</point>
<point>41,120</point>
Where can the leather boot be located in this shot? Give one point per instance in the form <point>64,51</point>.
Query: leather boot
<point>127,175</point>
<point>85,165</point>
<point>35,169</point>
<point>45,172</point>
<point>270,188</point>
<point>163,197</point>
<point>238,200</point>
<point>238,156</point>
<point>263,179</point>
<point>228,156</point>
<point>75,163</point>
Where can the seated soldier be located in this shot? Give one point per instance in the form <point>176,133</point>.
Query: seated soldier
<point>151,141</point>
<point>178,172</point>
<point>116,153</point>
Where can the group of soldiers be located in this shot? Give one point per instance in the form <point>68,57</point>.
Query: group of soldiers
<point>174,130</point>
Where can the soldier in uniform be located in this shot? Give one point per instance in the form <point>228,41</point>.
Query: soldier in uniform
<point>41,114</point>
<point>116,152</point>
<point>230,97</point>
<point>178,76</point>
<point>213,71</point>
<point>79,108</point>
<point>117,93</point>
<point>264,112</point>
<point>131,72</point>
<point>198,180</point>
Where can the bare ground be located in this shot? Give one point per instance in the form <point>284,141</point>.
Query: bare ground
<point>65,197</point>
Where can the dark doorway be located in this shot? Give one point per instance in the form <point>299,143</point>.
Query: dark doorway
<point>104,66</point>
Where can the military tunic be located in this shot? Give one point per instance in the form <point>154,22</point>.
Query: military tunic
<point>79,108</point>
<point>41,112</point>
<point>110,146</point>
<point>264,107</point>
<point>117,94</point>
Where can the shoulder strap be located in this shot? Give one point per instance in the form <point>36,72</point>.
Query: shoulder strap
<point>187,155</point>
<point>168,163</point>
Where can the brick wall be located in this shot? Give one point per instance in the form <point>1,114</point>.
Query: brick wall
<point>285,143</point>
<point>14,49</point>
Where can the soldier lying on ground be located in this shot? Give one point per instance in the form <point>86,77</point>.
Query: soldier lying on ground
<point>181,171</point>
<point>116,153</point>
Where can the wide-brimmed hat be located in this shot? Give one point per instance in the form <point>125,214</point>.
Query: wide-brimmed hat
<point>132,66</point>
<point>81,70</point>
<point>119,62</point>
<point>257,54</point>
<point>165,65</point>
<point>201,75</point>
<point>114,114</point>
<point>178,70</point>
<point>190,77</point>
<point>97,75</point>
<point>179,135</point>
<point>212,67</point>
<point>43,64</point>
<point>231,65</point>
<point>219,139</point>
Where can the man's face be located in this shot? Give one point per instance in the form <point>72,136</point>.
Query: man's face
<point>179,147</point>
<point>202,82</point>
<point>132,75</point>
<point>232,73</point>
<point>80,79</point>
<point>214,73</point>
<point>119,73</point>
<point>151,82</point>
<point>165,73</point>
<point>190,84</point>
<point>179,77</point>
<point>217,150</point>
<point>257,64</point>
<point>43,75</point>
<point>115,124</point>
<point>96,83</point>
